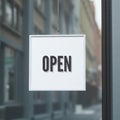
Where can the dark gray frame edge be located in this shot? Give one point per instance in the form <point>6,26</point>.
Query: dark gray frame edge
<point>106,59</point>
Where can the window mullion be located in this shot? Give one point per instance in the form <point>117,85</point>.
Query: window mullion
<point>3,10</point>
<point>1,73</point>
<point>12,5</point>
<point>18,18</point>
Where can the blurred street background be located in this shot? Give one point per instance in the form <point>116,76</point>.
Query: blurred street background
<point>18,19</point>
<point>91,113</point>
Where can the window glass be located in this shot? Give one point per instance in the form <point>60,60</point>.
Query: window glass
<point>9,67</point>
<point>56,96</point>
<point>40,96</point>
<point>15,17</point>
<point>37,30</point>
<point>8,13</point>
<point>21,21</point>
<point>40,4</point>
<point>84,17</point>
<point>0,8</point>
<point>36,95</point>
<point>67,22</point>
<point>55,6</point>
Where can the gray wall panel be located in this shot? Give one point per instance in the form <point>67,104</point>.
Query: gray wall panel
<point>116,59</point>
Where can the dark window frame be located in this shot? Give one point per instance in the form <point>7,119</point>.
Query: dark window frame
<point>106,60</point>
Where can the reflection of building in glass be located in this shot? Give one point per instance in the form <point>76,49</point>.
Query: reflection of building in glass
<point>93,53</point>
<point>9,74</point>
<point>18,19</point>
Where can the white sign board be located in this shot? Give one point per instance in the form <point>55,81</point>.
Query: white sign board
<point>57,63</point>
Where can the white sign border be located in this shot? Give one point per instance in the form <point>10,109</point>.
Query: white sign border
<point>54,35</point>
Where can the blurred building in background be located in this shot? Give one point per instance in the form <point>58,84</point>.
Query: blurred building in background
<point>98,54</point>
<point>89,27</point>
<point>20,18</point>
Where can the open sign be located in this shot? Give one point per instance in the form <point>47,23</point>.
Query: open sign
<point>57,62</point>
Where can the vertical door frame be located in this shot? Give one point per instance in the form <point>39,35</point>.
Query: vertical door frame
<point>106,59</point>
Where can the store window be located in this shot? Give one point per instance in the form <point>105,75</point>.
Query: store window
<point>8,13</point>
<point>9,74</point>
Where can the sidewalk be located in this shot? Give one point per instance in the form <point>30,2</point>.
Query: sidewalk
<point>92,113</point>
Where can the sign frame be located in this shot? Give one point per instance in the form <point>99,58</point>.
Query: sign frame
<point>59,36</point>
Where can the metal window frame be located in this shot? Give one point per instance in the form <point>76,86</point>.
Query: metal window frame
<point>1,73</point>
<point>106,59</point>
